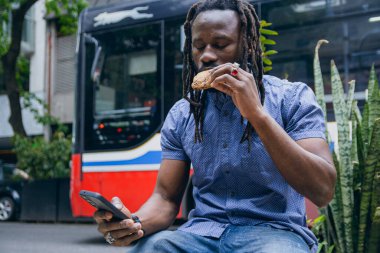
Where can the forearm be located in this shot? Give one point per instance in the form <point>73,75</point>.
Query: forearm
<point>309,174</point>
<point>157,214</point>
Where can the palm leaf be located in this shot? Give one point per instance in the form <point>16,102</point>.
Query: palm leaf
<point>350,98</point>
<point>318,84</point>
<point>336,207</point>
<point>340,110</point>
<point>365,128</point>
<point>356,172</point>
<point>373,99</point>
<point>371,161</point>
<point>374,239</point>
<point>375,148</point>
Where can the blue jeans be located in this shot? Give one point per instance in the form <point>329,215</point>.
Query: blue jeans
<point>237,239</point>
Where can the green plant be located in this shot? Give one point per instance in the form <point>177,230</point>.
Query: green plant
<point>352,221</point>
<point>264,31</point>
<point>67,13</point>
<point>317,228</point>
<point>43,158</point>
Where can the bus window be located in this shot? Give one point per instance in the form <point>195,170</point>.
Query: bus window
<point>174,37</point>
<point>353,41</point>
<point>123,96</point>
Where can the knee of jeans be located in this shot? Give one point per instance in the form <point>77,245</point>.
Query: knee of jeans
<point>147,244</point>
<point>161,245</point>
<point>291,243</point>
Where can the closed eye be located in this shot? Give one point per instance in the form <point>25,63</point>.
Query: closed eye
<point>200,48</point>
<point>220,46</point>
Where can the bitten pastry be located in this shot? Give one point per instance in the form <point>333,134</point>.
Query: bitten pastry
<point>202,80</point>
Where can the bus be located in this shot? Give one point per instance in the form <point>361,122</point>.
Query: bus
<point>129,66</point>
<point>129,60</point>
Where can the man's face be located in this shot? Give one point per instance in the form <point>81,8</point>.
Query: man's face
<point>215,38</point>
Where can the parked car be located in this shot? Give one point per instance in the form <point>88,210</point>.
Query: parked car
<point>12,181</point>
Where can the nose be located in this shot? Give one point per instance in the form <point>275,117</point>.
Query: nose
<point>208,56</point>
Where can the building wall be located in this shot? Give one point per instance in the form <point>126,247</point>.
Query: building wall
<point>63,81</point>
<point>37,61</point>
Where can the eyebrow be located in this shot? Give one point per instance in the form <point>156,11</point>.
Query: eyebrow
<point>222,37</point>
<point>217,37</point>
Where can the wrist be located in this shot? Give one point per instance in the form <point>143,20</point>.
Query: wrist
<point>136,219</point>
<point>257,117</point>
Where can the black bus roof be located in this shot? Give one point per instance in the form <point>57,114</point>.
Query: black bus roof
<point>132,12</point>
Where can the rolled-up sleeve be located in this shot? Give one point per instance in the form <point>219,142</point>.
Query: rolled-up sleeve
<point>171,133</point>
<point>304,116</point>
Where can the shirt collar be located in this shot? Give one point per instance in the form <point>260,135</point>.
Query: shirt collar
<point>218,98</point>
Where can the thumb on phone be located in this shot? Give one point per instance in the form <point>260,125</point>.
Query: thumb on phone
<point>119,205</point>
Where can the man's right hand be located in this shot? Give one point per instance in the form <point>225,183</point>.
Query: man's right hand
<point>123,232</point>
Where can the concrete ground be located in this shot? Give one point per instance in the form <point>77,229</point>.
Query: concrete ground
<point>18,237</point>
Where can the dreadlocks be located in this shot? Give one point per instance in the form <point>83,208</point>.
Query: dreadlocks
<point>251,57</point>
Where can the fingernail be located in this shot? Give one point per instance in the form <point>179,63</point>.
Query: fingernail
<point>116,202</point>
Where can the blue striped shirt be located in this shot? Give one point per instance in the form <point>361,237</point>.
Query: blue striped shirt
<point>232,185</point>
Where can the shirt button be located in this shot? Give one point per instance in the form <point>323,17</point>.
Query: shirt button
<point>225,145</point>
<point>227,172</point>
<point>232,194</point>
<point>225,113</point>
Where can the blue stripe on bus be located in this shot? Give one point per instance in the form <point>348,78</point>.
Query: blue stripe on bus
<point>152,157</point>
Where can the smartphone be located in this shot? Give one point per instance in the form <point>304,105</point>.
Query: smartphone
<point>99,202</point>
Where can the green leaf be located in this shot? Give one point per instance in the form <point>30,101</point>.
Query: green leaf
<point>374,235</point>
<point>337,209</point>
<point>267,61</point>
<point>321,246</point>
<point>264,23</point>
<point>365,127</point>
<point>319,219</point>
<point>270,52</point>
<point>350,98</point>
<point>268,68</point>
<point>268,32</point>
<point>373,99</point>
<point>319,87</point>
<point>345,164</point>
<point>269,42</point>
<point>371,163</point>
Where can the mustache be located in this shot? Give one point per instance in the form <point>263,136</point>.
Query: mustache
<point>207,67</point>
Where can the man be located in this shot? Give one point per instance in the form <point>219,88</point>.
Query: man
<point>248,193</point>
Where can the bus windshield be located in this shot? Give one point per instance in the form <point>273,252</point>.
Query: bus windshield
<point>124,82</point>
